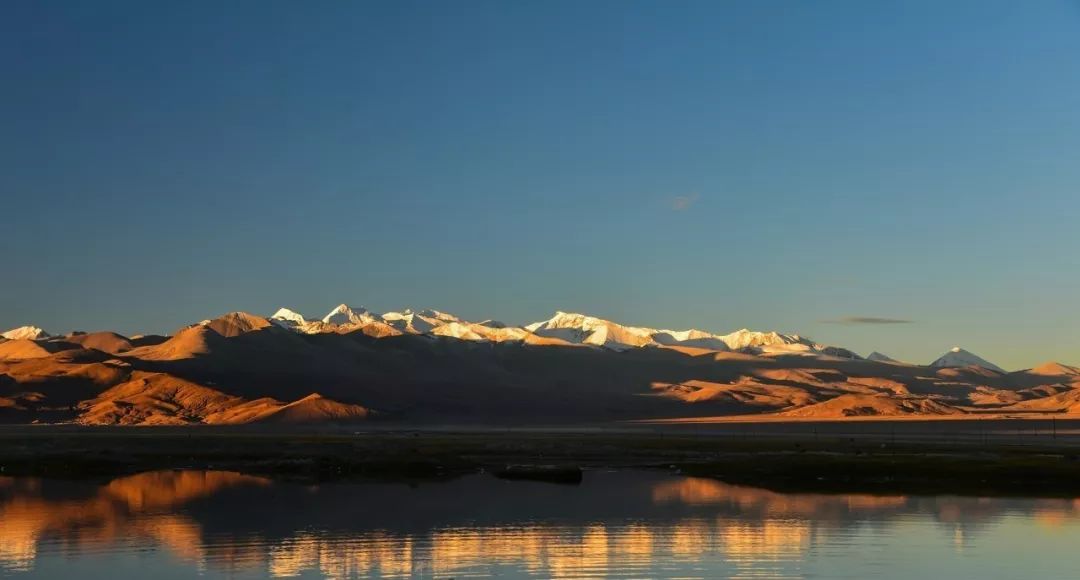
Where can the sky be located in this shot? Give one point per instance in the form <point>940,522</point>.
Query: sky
<point>892,176</point>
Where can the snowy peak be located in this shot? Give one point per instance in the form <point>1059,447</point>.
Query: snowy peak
<point>745,338</point>
<point>289,317</point>
<point>561,320</point>
<point>692,338</point>
<point>437,315</point>
<point>421,322</point>
<point>26,333</point>
<point>566,328</point>
<point>958,357</point>
<point>344,314</point>
<point>582,329</point>
<point>463,331</point>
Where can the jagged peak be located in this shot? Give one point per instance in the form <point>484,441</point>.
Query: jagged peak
<point>564,326</point>
<point>746,338</point>
<point>439,315</point>
<point>345,314</point>
<point>430,313</point>
<point>561,316</point>
<point>28,332</point>
<point>346,308</point>
<point>289,315</point>
<point>591,329</point>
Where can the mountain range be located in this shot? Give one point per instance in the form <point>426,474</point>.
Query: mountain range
<point>562,328</point>
<point>426,366</point>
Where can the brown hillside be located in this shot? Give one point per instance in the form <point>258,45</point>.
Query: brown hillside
<point>315,408</point>
<point>22,349</point>
<point>872,406</point>
<point>1063,402</point>
<point>237,323</point>
<point>748,393</point>
<point>1055,369</point>
<point>109,342</point>
<point>187,343</point>
<point>162,399</point>
<point>154,399</point>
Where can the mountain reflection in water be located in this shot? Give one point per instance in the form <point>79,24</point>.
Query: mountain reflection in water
<point>616,523</point>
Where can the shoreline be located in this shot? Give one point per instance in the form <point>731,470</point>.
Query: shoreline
<point>828,463</point>
<point>773,418</point>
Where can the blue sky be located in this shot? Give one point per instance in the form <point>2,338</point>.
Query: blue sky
<point>719,165</point>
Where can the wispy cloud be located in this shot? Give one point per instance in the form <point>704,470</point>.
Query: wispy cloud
<point>865,320</point>
<point>682,202</point>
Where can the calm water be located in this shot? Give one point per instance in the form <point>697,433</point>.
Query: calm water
<point>623,524</point>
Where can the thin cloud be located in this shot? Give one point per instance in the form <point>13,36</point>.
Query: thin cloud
<point>865,320</point>
<point>682,202</point>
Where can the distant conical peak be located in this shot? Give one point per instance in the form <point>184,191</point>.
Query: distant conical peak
<point>958,357</point>
<point>878,356</point>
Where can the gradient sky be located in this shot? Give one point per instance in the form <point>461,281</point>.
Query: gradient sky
<point>762,164</point>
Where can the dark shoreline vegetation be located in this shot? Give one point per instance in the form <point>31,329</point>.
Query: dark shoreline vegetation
<point>826,462</point>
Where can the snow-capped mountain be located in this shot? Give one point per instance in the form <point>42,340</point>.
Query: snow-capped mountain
<point>565,328</point>
<point>288,318</point>
<point>692,338</point>
<point>460,330</point>
<point>958,357</point>
<point>589,330</point>
<point>582,329</point>
<point>745,338</point>
<point>344,314</point>
<point>416,322</point>
<point>437,315</point>
<point>837,351</point>
<point>26,333</point>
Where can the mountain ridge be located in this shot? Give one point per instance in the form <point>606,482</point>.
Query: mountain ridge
<point>428,366</point>
<point>561,328</point>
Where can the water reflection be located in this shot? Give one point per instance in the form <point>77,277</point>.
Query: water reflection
<point>617,523</point>
<point>133,509</point>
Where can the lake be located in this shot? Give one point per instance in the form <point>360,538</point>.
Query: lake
<point>216,524</point>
